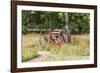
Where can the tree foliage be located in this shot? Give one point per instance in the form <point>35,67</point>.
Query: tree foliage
<point>37,20</point>
<point>79,22</point>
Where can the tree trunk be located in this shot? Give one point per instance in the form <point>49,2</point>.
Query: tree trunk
<point>50,22</point>
<point>67,29</point>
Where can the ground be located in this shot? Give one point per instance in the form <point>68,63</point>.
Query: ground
<point>77,50</point>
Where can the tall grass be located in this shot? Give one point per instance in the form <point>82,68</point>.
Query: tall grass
<point>78,49</point>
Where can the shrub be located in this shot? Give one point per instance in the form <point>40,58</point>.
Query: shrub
<point>24,30</point>
<point>28,53</point>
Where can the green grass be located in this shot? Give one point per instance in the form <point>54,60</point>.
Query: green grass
<point>28,53</point>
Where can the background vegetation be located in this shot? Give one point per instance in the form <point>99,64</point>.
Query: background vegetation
<point>37,20</point>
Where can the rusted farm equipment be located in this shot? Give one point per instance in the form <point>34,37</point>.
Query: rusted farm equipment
<point>53,37</point>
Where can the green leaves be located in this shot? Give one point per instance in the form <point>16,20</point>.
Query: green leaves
<point>55,20</point>
<point>79,20</point>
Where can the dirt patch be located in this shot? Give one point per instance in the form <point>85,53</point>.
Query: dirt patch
<point>42,54</point>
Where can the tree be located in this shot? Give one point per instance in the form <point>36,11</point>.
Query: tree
<point>67,29</point>
<point>79,22</point>
<point>55,20</point>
